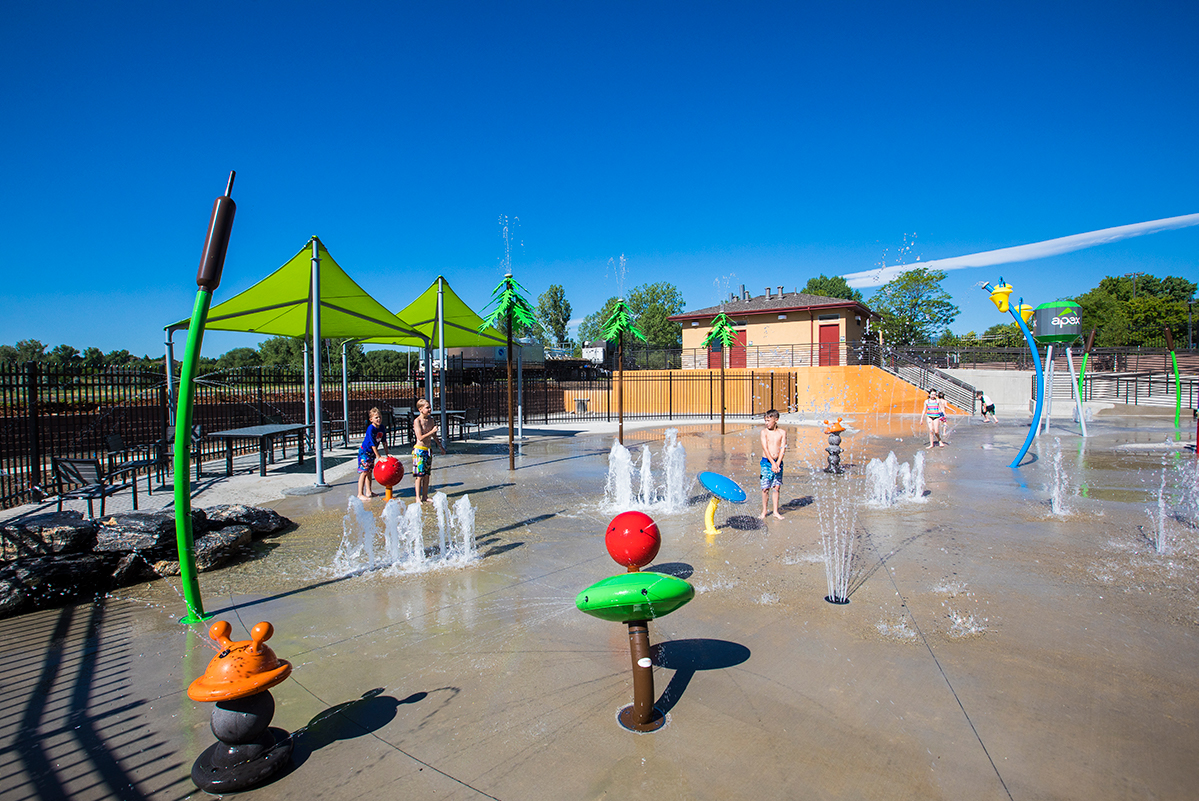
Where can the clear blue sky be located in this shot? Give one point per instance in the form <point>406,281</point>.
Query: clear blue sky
<point>744,143</point>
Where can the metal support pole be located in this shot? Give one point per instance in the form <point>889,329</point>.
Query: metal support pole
<point>345,393</point>
<point>170,374</point>
<point>641,716</point>
<point>441,353</point>
<point>1048,390</point>
<point>307,390</point>
<point>317,412</point>
<point>1082,418</point>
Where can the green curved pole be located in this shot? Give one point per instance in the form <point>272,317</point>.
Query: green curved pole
<point>1177,393</point>
<point>183,436</point>
<point>208,278</point>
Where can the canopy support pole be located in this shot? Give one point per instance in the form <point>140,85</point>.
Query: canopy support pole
<point>307,390</point>
<point>520,397</point>
<point>345,393</point>
<point>170,371</point>
<point>429,371</point>
<point>317,414</point>
<point>441,352</point>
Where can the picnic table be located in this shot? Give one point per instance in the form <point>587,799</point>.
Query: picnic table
<point>265,435</point>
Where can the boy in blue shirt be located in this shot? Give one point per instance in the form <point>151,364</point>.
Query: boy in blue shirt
<point>374,445</point>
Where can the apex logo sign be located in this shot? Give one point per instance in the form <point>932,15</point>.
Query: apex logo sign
<point>1062,322</point>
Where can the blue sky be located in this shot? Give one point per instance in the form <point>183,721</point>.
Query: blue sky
<point>712,144</point>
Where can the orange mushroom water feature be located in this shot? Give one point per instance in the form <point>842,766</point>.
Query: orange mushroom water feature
<point>238,680</point>
<point>833,450</point>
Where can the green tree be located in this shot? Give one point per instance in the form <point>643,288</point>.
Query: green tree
<point>914,307</point>
<point>592,327</point>
<point>1122,319</point>
<point>64,354</point>
<point>119,358</point>
<point>831,287</point>
<point>9,354</point>
<point>93,358</point>
<point>554,310</point>
<point>650,305</point>
<point>390,361</point>
<point>31,350</point>
<point>1005,335</point>
<point>282,352</point>
<point>238,357</point>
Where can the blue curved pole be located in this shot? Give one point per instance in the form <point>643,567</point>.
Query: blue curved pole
<point>1036,360</point>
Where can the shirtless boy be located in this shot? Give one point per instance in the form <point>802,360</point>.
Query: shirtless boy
<point>425,431</point>
<point>774,445</point>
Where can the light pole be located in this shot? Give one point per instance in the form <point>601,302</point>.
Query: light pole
<point>1190,334</point>
<point>1133,276</point>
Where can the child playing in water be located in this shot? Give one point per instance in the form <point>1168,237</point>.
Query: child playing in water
<point>374,445</point>
<point>774,445</point>
<point>988,407</point>
<point>934,413</point>
<point>425,431</point>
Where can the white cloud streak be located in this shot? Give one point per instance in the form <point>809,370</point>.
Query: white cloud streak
<point>1035,250</point>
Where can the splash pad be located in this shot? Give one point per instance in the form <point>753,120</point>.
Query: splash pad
<point>398,546</point>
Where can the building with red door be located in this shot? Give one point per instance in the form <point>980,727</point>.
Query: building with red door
<point>776,329</point>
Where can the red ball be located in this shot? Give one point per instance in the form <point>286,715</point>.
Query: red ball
<point>633,539</point>
<point>389,471</point>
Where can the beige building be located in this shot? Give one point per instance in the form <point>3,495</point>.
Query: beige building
<point>776,329</point>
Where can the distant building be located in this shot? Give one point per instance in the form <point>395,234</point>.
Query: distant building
<point>782,329</point>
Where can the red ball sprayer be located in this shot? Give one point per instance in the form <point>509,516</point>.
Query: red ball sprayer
<point>388,471</point>
<point>633,540</point>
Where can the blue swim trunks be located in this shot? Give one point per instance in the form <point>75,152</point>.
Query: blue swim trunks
<point>366,461</point>
<point>769,477</point>
<point>422,461</point>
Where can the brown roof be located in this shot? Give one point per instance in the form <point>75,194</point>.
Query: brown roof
<point>787,302</point>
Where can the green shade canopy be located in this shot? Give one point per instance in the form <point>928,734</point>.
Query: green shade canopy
<point>281,305</point>
<point>461,322</point>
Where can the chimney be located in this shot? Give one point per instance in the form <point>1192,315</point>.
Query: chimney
<point>780,292</point>
<point>768,293</point>
<point>744,294</point>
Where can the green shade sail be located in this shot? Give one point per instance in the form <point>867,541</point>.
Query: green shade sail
<point>281,305</point>
<point>462,324</point>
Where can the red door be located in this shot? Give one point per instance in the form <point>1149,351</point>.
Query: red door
<point>830,345</point>
<point>714,354</point>
<point>737,351</point>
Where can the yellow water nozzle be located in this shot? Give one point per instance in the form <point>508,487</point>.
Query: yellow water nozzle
<point>710,517</point>
<point>999,296</point>
<point>1025,311</point>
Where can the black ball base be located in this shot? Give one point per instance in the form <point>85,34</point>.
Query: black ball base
<point>224,768</point>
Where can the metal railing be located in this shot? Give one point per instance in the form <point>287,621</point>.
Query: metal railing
<point>1141,389</point>
<point>916,372</point>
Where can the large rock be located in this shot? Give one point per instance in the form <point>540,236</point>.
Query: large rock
<point>13,597</point>
<point>145,532</point>
<point>260,521</point>
<point>57,532</point>
<point>41,581</point>
<point>212,550</point>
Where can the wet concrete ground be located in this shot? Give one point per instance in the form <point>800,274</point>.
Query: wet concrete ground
<point>991,649</point>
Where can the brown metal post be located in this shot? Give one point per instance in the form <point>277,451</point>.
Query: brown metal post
<point>511,447</point>
<point>722,352</point>
<point>641,716</point>
<point>620,388</point>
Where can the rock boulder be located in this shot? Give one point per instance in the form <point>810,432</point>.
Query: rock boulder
<point>57,532</point>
